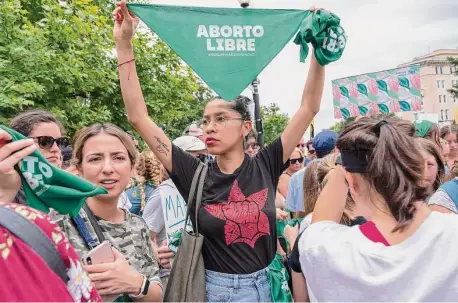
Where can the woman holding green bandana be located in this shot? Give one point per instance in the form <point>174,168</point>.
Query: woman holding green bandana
<point>237,217</point>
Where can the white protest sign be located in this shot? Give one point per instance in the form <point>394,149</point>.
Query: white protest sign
<point>174,211</point>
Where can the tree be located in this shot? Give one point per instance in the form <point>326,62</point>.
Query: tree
<point>59,56</point>
<point>274,122</point>
<point>454,90</point>
<point>339,126</point>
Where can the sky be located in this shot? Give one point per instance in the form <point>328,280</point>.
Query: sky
<point>381,35</point>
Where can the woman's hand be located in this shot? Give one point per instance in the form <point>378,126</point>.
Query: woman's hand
<point>10,155</point>
<point>164,255</point>
<point>281,215</point>
<point>125,23</point>
<point>291,233</point>
<point>115,278</point>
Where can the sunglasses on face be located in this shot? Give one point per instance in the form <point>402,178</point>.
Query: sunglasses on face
<point>46,142</point>
<point>311,151</point>
<point>297,160</point>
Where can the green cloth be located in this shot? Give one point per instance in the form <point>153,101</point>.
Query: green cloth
<point>226,47</point>
<point>327,37</point>
<point>46,186</point>
<point>422,128</point>
<point>295,221</point>
<point>278,278</point>
<point>281,224</point>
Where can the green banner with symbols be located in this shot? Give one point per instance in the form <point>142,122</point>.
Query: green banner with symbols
<point>229,47</point>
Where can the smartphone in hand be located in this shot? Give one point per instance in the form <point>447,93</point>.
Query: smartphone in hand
<point>100,254</point>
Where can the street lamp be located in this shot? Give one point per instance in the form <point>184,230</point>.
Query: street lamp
<point>257,107</point>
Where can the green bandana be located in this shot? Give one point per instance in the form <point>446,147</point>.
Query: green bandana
<point>278,278</point>
<point>328,38</point>
<point>229,47</point>
<point>422,128</point>
<point>46,186</point>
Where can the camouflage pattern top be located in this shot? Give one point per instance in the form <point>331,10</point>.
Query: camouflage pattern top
<point>131,238</point>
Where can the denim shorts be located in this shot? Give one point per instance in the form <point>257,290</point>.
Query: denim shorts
<point>223,287</point>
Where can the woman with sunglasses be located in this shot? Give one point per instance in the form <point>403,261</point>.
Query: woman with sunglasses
<point>45,130</point>
<point>295,163</point>
<point>237,217</point>
<point>45,134</point>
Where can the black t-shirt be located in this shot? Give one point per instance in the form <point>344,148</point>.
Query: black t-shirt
<point>237,217</point>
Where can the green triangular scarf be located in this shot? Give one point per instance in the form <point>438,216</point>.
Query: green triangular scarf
<point>226,47</point>
<point>422,128</point>
<point>46,186</point>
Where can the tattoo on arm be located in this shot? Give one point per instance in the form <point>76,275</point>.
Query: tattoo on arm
<point>161,147</point>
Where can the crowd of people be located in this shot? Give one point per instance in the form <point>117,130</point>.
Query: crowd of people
<point>369,214</point>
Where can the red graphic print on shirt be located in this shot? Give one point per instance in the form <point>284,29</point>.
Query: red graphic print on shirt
<point>245,222</point>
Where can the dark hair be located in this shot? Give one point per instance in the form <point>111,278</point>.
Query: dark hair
<point>26,121</point>
<point>431,148</point>
<point>241,104</point>
<point>449,129</point>
<point>395,166</point>
<point>310,142</point>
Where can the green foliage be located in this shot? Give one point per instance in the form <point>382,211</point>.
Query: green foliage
<point>274,122</point>
<point>339,126</point>
<point>59,56</point>
<point>454,90</point>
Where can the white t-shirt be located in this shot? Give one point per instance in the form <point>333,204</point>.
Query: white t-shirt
<point>341,264</point>
<point>124,202</point>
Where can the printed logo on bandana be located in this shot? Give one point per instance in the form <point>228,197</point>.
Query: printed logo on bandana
<point>33,171</point>
<point>245,220</point>
<point>227,40</point>
<point>335,42</point>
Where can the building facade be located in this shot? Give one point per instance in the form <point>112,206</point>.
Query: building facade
<point>437,77</point>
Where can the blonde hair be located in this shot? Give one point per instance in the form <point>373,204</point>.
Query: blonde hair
<point>149,169</point>
<point>327,164</point>
<point>297,150</point>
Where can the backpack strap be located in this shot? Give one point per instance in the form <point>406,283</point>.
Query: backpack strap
<point>33,236</point>
<point>451,188</point>
<point>84,232</point>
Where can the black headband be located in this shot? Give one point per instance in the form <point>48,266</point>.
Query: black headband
<point>354,161</point>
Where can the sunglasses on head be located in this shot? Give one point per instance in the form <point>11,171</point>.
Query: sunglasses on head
<point>46,142</point>
<point>294,161</point>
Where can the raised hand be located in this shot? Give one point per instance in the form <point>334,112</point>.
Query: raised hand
<point>10,155</point>
<point>125,23</point>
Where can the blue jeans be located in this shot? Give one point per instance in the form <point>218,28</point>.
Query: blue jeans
<point>253,287</point>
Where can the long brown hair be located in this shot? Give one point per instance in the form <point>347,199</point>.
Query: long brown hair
<point>311,188</point>
<point>432,149</point>
<point>395,164</point>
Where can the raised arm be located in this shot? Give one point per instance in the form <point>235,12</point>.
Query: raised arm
<point>310,105</point>
<point>137,114</point>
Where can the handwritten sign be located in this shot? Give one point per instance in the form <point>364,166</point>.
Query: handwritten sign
<point>174,211</point>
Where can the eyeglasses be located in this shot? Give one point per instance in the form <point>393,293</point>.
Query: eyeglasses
<point>46,142</point>
<point>219,123</point>
<point>294,161</point>
<point>300,145</point>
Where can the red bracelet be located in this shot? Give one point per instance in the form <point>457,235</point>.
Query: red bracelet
<point>128,61</point>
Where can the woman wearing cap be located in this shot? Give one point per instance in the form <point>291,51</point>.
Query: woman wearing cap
<point>237,217</point>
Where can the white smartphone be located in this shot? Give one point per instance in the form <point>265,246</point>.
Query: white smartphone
<point>100,254</point>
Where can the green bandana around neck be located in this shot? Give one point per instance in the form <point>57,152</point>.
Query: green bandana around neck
<point>422,128</point>
<point>229,47</point>
<point>46,186</point>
